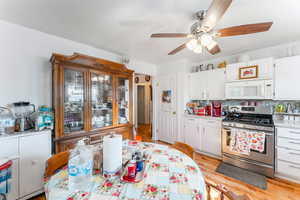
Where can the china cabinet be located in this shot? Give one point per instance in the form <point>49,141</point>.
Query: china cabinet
<point>91,97</point>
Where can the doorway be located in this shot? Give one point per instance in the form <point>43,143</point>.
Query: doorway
<point>143,106</point>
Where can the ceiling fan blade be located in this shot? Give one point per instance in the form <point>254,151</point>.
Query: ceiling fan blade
<point>170,35</point>
<point>214,14</point>
<point>181,47</point>
<point>214,50</point>
<point>244,29</point>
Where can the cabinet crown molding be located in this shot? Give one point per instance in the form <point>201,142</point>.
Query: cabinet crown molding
<point>90,62</point>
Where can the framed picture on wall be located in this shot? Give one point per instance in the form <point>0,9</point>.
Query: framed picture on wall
<point>166,96</point>
<point>248,72</point>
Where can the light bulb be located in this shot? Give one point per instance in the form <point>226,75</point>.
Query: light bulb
<point>198,49</point>
<point>205,39</point>
<point>192,44</point>
<point>211,45</point>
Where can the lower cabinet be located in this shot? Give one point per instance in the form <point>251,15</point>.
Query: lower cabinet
<point>203,134</point>
<point>34,152</point>
<point>288,154</point>
<point>192,134</point>
<point>212,137</point>
<point>29,153</point>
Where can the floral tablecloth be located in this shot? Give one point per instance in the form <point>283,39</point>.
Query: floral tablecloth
<point>169,174</point>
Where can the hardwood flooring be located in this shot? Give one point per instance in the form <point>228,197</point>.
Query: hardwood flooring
<point>144,130</point>
<point>277,189</point>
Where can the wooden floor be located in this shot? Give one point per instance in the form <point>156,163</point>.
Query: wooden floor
<point>276,189</point>
<point>144,130</point>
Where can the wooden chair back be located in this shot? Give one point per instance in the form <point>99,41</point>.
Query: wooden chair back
<point>219,192</point>
<point>56,162</point>
<point>184,148</point>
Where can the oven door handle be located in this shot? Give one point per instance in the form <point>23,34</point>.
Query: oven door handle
<point>228,128</point>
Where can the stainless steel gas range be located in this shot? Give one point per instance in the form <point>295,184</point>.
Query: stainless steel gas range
<point>250,118</point>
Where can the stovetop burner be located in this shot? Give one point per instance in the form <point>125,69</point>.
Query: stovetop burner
<point>253,119</point>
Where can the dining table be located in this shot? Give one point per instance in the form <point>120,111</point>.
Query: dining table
<point>168,175</point>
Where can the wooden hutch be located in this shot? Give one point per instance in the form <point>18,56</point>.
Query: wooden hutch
<point>91,97</point>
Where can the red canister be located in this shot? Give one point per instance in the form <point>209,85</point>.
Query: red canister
<point>131,169</point>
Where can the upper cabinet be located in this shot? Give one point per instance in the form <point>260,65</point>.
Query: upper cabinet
<point>265,69</point>
<point>91,97</point>
<point>232,71</point>
<point>287,72</point>
<point>207,85</point>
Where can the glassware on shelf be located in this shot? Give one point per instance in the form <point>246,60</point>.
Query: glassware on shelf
<point>101,93</point>
<point>123,100</point>
<point>73,100</point>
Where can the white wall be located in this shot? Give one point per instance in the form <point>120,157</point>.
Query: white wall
<point>25,70</point>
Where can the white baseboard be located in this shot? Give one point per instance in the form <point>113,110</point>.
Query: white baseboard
<point>32,195</point>
<point>287,178</point>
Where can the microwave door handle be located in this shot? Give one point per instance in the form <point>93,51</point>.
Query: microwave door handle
<point>262,91</point>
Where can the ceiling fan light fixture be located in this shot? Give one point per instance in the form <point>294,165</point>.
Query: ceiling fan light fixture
<point>206,39</point>
<point>211,45</point>
<point>191,45</point>
<point>198,49</point>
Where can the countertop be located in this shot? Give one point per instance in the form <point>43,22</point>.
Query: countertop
<point>287,124</point>
<point>203,117</point>
<point>24,133</point>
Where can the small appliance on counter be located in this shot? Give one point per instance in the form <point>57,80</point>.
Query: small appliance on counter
<point>23,110</point>
<point>216,109</point>
<point>7,121</point>
<point>43,118</point>
<point>200,111</point>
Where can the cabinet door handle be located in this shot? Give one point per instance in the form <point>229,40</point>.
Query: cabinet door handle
<point>211,122</point>
<point>294,132</point>
<point>294,142</point>
<point>292,153</point>
<point>292,166</point>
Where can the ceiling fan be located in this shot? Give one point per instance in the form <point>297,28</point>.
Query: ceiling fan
<point>203,34</point>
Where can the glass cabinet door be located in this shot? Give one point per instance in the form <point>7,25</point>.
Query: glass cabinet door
<point>123,100</point>
<point>73,100</point>
<point>102,98</point>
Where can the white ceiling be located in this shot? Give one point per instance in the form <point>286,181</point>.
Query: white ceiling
<point>124,26</point>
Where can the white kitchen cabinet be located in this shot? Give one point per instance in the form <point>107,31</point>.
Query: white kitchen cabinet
<point>29,152</point>
<point>196,84</point>
<point>203,134</point>
<point>211,137</point>
<point>215,84</point>
<point>286,78</point>
<point>288,153</point>
<point>232,71</point>
<point>265,69</point>
<point>192,135</point>
<point>34,152</point>
<point>207,85</point>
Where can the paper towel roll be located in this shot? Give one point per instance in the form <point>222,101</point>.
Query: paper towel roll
<point>112,153</point>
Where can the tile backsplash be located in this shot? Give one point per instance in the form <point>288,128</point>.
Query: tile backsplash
<point>293,105</point>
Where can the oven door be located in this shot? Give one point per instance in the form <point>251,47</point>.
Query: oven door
<point>267,156</point>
